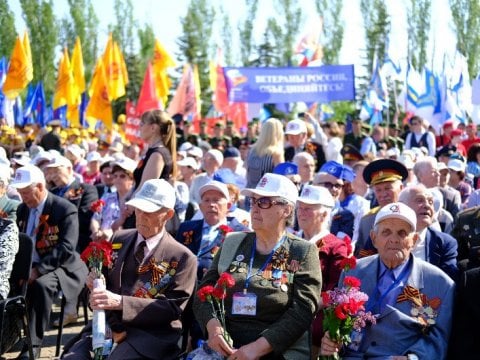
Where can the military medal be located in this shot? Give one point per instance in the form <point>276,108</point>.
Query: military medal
<point>284,287</point>
<point>240,257</point>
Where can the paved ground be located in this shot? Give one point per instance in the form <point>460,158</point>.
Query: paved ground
<point>48,349</point>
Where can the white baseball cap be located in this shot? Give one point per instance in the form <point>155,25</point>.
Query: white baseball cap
<point>126,164</point>
<point>189,161</point>
<point>217,154</point>
<point>94,156</point>
<point>397,211</point>
<point>456,164</point>
<point>154,195</point>
<point>316,195</point>
<point>26,176</point>
<point>195,151</point>
<point>296,127</point>
<point>217,186</point>
<point>441,166</point>
<point>274,185</point>
<point>76,150</point>
<point>58,161</point>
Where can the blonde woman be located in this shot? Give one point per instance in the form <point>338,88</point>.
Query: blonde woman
<point>266,153</point>
<point>335,144</point>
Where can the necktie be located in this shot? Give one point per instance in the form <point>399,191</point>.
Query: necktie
<point>140,252</point>
<point>387,280</point>
<point>32,222</point>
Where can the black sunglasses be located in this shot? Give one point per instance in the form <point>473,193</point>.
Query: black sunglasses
<point>330,185</point>
<point>266,202</point>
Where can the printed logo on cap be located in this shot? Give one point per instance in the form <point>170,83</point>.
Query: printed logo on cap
<point>263,182</point>
<point>18,176</point>
<point>306,192</point>
<point>148,190</point>
<point>332,170</point>
<point>395,208</point>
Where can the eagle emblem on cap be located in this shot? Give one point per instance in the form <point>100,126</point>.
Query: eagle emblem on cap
<point>395,208</point>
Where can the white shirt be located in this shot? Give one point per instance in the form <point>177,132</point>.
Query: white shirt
<point>151,243</point>
<point>419,249</point>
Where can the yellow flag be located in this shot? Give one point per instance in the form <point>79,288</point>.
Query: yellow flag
<point>161,61</point>
<point>64,92</point>
<point>18,74</point>
<point>99,106</point>
<point>28,54</point>
<point>78,68</point>
<point>113,70</point>
<point>212,69</point>
<point>123,65</point>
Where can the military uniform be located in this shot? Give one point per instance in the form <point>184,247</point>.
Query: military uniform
<point>467,233</point>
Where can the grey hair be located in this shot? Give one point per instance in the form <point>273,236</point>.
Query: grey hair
<point>406,194</point>
<point>302,155</point>
<point>420,165</point>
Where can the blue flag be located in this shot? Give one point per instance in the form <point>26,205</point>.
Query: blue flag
<point>3,70</point>
<point>82,110</point>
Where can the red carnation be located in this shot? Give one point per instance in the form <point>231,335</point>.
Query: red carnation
<point>219,293</point>
<point>97,206</point>
<point>340,312</point>
<point>325,298</point>
<point>348,263</point>
<point>226,280</point>
<point>352,282</point>
<point>205,293</point>
<point>348,242</point>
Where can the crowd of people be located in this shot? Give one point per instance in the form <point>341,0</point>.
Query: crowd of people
<point>275,210</point>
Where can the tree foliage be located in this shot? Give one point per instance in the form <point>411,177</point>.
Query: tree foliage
<point>245,31</point>
<point>333,29</point>
<point>146,38</point>
<point>195,44</point>
<point>8,33</point>
<point>227,38</point>
<point>377,27</point>
<point>418,29</point>
<point>124,28</point>
<point>466,20</point>
<point>43,31</point>
<point>292,13</point>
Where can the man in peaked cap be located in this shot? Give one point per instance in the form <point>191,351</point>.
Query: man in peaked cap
<point>351,155</point>
<point>386,177</point>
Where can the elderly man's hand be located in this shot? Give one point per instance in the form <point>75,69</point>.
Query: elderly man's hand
<point>101,299</point>
<point>328,347</point>
<point>92,276</point>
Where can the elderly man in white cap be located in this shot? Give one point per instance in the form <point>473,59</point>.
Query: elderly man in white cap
<point>149,284</point>
<point>212,160</point>
<point>314,208</point>
<point>52,223</point>
<point>297,137</point>
<point>413,299</point>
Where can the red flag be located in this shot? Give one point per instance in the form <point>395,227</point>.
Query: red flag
<point>148,99</point>
<point>221,94</point>
<point>132,123</point>
<point>238,112</point>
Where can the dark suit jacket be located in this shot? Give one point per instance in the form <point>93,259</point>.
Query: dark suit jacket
<point>51,141</point>
<point>466,317</point>
<point>8,207</point>
<point>313,148</point>
<point>152,323</point>
<point>101,189</point>
<point>451,200</point>
<point>190,234</point>
<point>82,196</point>
<point>56,243</point>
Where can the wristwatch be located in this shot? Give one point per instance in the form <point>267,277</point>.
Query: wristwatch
<point>412,356</point>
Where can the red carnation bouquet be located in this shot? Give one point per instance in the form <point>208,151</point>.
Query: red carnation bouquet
<point>97,206</point>
<point>97,255</point>
<point>344,311</point>
<point>216,295</point>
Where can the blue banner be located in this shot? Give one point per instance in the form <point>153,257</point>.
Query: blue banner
<point>291,84</point>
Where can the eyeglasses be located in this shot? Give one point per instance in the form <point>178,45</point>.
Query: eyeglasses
<point>120,176</point>
<point>329,185</point>
<point>266,202</point>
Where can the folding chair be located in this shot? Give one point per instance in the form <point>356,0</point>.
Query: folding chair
<point>14,308</point>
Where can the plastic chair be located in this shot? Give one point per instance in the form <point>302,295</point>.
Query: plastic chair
<point>14,308</point>
<point>82,298</point>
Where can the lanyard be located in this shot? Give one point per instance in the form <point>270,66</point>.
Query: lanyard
<point>252,257</point>
<point>403,275</point>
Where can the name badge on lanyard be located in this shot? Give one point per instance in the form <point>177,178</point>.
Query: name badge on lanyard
<point>244,303</point>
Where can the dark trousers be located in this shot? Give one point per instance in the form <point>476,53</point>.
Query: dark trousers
<point>40,295</point>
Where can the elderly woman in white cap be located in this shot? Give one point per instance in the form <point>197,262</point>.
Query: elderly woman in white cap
<point>314,207</point>
<point>277,277</point>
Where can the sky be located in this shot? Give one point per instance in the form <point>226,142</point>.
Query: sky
<point>165,15</point>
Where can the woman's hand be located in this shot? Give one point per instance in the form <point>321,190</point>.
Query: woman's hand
<point>216,341</point>
<point>252,351</point>
<point>328,347</point>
